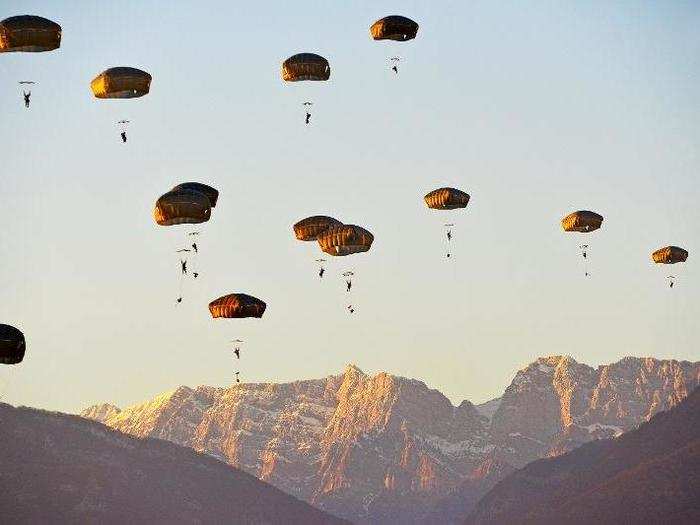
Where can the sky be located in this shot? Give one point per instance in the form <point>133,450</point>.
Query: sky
<point>535,108</point>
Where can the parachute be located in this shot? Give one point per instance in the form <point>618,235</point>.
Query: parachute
<point>211,193</point>
<point>345,239</point>
<point>446,199</point>
<point>121,82</point>
<point>29,34</point>
<point>305,66</point>
<point>582,221</point>
<point>182,207</point>
<point>12,345</point>
<point>669,255</point>
<point>237,306</point>
<point>186,203</point>
<point>310,228</point>
<point>394,27</point>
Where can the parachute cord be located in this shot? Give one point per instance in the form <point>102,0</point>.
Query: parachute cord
<point>195,266</point>
<point>6,377</point>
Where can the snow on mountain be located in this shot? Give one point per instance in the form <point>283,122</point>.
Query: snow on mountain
<point>386,449</point>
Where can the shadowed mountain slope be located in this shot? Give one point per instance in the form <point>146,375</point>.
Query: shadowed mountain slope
<point>648,475</point>
<point>57,468</point>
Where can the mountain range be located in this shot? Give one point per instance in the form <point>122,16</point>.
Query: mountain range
<point>58,468</point>
<point>648,475</point>
<point>386,449</point>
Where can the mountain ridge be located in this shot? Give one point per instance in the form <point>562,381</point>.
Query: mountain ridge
<point>383,448</point>
<point>60,468</point>
<point>649,475</point>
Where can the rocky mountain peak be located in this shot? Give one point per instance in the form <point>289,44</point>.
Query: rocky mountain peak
<point>100,412</point>
<point>385,448</point>
<point>353,370</point>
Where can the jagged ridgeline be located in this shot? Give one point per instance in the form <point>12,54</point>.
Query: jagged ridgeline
<point>390,449</point>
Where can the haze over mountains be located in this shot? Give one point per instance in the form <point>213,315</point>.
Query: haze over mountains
<point>388,449</point>
<point>56,468</point>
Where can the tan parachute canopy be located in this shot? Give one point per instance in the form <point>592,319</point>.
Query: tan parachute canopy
<point>182,207</point>
<point>236,306</point>
<point>310,228</point>
<point>121,82</point>
<point>12,345</point>
<point>211,193</point>
<point>345,239</point>
<point>394,27</point>
<point>305,66</point>
<point>582,221</point>
<point>669,255</point>
<point>446,199</point>
<point>30,34</point>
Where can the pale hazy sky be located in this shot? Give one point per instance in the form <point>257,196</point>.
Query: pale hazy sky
<point>534,108</point>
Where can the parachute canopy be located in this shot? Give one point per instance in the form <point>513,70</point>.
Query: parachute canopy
<point>446,199</point>
<point>305,66</point>
<point>211,193</point>
<point>237,306</point>
<point>121,82</point>
<point>309,229</point>
<point>345,239</point>
<point>12,345</point>
<point>394,27</point>
<point>582,221</point>
<point>669,255</point>
<point>30,34</point>
<point>182,207</point>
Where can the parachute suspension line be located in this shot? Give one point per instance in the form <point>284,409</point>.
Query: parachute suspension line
<point>584,254</point>
<point>182,279</point>
<point>394,64</point>
<point>122,129</point>
<point>194,246</point>
<point>321,268</point>
<point>236,352</point>
<point>7,377</point>
<point>448,235</point>
<point>307,105</point>
<point>348,277</point>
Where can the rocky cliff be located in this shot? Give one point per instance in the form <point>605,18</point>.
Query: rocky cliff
<point>388,449</point>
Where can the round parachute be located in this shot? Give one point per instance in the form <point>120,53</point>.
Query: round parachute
<point>310,228</point>
<point>669,255</point>
<point>345,239</point>
<point>12,345</point>
<point>446,199</point>
<point>29,34</point>
<point>305,66</point>
<point>394,27</point>
<point>211,193</point>
<point>182,207</point>
<point>237,306</point>
<point>582,221</point>
<point>121,82</point>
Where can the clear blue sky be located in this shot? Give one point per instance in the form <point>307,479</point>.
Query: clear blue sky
<point>535,108</point>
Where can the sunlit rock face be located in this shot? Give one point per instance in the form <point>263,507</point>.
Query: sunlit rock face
<point>556,404</point>
<point>100,412</point>
<point>386,449</point>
